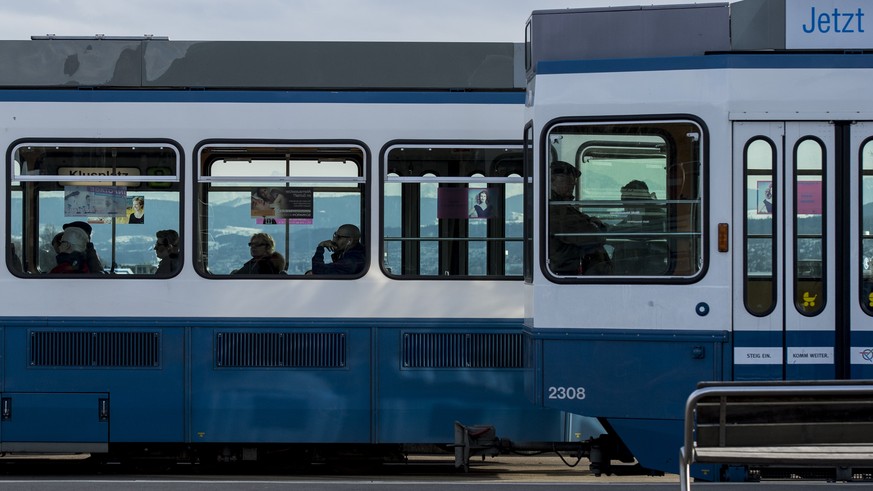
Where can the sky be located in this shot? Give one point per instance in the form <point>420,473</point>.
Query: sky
<point>286,20</point>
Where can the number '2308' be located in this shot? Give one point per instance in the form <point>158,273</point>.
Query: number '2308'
<point>577,393</point>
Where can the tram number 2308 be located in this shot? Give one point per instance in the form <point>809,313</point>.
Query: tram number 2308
<point>577,393</point>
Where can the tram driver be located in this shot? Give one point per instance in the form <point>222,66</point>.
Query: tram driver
<point>574,249</point>
<point>348,254</point>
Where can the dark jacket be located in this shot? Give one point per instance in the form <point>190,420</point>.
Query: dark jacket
<point>571,254</point>
<point>169,265</point>
<point>71,263</point>
<point>272,264</point>
<point>350,262</point>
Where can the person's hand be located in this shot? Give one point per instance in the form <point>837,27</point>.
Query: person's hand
<point>328,244</point>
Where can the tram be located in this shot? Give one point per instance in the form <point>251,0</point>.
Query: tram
<point>150,143</point>
<point>724,153</point>
<point>561,238</point>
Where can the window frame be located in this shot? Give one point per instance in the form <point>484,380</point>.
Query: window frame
<point>865,294</point>
<point>384,179</point>
<point>774,236</point>
<point>545,156</point>
<point>13,181</point>
<point>361,182</point>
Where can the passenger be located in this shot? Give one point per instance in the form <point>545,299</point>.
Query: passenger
<point>56,242</point>
<point>73,256</point>
<point>94,263</point>
<point>348,255</point>
<point>265,260</point>
<point>138,215</point>
<point>167,251</point>
<point>15,259</point>
<point>640,248</point>
<point>640,214</point>
<point>572,248</point>
<point>482,208</point>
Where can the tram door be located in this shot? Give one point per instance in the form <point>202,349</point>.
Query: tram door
<point>797,265</point>
<point>861,269</point>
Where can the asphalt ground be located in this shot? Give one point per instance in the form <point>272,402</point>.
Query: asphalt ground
<point>548,467</point>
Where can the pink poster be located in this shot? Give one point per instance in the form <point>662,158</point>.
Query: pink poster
<point>809,198</point>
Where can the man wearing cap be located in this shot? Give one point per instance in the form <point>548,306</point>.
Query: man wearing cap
<point>572,248</point>
<point>71,256</point>
<point>94,264</point>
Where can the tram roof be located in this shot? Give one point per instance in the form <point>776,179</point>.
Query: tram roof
<point>687,30</point>
<point>156,63</point>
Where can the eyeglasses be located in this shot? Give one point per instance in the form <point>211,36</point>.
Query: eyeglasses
<point>257,244</point>
<point>338,236</point>
<point>162,243</point>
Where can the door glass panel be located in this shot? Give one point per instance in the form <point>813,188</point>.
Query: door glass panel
<point>867,227</point>
<point>760,227</point>
<point>809,256</point>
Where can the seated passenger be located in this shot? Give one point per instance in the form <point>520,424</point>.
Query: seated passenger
<point>642,250</point>
<point>167,250</point>
<point>348,255</point>
<point>575,239</point>
<point>56,242</point>
<point>265,260</point>
<point>72,256</point>
<point>15,260</point>
<point>94,263</point>
<point>641,215</point>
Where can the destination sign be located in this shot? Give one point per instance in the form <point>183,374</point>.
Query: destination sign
<point>828,24</point>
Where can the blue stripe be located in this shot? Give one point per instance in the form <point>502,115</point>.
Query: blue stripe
<point>574,334</point>
<point>443,324</point>
<point>774,339</point>
<point>758,339</point>
<point>265,96</point>
<point>809,338</point>
<point>711,62</point>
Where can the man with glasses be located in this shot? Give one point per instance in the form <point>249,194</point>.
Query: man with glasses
<point>348,255</point>
<point>575,239</point>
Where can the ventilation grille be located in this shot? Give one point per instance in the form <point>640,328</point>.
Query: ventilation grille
<point>95,349</point>
<point>280,350</point>
<point>447,350</point>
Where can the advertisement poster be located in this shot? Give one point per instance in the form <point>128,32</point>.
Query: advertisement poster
<point>135,211</point>
<point>471,203</point>
<point>809,198</point>
<point>282,205</point>
<point>84,201</point>
<point>765,197</point>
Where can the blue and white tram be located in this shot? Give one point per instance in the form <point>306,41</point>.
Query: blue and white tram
<point>746,256</point>
<point>198,361</point>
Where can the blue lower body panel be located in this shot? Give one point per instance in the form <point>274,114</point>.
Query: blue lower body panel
<point>637,380</point>
<point>143,377</point>
<point>420,397</point>
<point>241,381</point>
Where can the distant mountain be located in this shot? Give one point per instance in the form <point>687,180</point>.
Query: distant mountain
<point>229,226</point>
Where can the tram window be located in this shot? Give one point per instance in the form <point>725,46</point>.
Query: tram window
<point>102,186</point>
<point>453,211</point>
<point>760,226</point>
<point>809,246</point>
<point>866,248</point>
<point>624,200</point>
<point>297,195</point>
